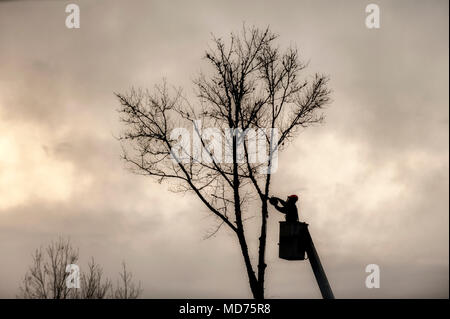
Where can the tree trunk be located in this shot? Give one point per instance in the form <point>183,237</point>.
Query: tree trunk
<point>262,249</point>
<point>254,286</point>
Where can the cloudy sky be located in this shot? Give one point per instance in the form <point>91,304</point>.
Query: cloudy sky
<point>374,178</point>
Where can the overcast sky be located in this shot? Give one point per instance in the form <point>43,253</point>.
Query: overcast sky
<point>373,179</point>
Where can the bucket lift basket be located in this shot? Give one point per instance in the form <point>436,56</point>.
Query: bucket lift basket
<point>293,240</point>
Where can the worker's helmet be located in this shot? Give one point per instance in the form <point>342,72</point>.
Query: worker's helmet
<point>293,197</point>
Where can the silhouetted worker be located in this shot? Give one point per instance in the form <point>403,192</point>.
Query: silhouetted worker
<point>288,207</point>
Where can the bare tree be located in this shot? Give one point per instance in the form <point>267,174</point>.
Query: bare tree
<point>125,288</point>
<point>251,85</point>
<point>93,286</point>
<point>46,277</point>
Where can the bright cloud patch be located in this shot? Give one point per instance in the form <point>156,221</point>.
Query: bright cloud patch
<point>28,170</point>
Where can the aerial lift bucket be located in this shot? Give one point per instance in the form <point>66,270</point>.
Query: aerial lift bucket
<point>293,240</point>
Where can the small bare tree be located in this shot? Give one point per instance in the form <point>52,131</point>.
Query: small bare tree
<point>46,277</point>
<point>251,86</point>
<point>93,286</point>
<point>126,288</point>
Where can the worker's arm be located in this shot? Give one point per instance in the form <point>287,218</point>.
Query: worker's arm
<point>280,209</point>
<point>274,201</point>
<point>280,200</point>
